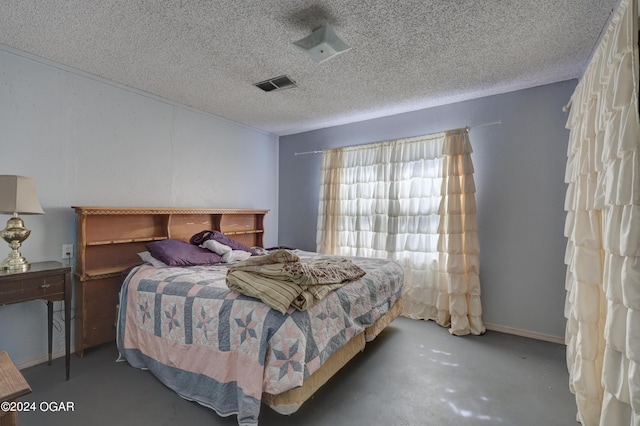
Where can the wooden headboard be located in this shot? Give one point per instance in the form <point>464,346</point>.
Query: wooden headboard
<point>109,240</point>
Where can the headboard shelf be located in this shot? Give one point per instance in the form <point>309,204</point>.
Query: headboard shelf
<point>126,240</point>
<point>103,273</point>
<point>243,232</point>
<point>110,238</point>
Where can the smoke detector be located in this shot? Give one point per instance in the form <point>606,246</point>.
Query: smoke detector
<point>323,43</point>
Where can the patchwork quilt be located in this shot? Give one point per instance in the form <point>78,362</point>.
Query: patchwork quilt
<point>223,349</point>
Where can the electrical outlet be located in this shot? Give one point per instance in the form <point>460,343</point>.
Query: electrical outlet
<point>67,251</point>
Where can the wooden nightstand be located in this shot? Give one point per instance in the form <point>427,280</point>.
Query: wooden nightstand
<point>50,281</point>
<point>12,386</point>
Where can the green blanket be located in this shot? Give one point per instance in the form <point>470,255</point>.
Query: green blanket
<point>280,279</point>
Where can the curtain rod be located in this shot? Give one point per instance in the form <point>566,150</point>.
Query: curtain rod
<point>467,127</point>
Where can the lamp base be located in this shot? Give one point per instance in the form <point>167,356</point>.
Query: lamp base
<point>15,233</point>
<point>13,264</point>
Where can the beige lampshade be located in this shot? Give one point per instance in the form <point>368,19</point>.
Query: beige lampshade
<point>18,195</point>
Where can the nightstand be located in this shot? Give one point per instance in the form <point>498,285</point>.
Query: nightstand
<point>50,281</point>
<point>12,386</point>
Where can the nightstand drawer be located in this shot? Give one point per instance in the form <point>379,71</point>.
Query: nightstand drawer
<point>32,288</point>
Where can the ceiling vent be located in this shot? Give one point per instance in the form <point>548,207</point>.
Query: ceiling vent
<point>277,83</point>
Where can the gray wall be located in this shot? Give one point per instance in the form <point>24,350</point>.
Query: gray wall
<point>87,141</point>
<point>519,175</point>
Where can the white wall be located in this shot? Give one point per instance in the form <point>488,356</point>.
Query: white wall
<point>87,141</point>
<point>519,176</point>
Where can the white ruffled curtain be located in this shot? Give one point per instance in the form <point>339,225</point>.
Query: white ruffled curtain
<point>603,230</point>
<point>412,201</point>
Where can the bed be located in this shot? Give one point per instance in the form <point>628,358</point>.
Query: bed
<point>231,352</point>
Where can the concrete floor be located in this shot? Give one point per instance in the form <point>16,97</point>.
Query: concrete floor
<point>415,373</point>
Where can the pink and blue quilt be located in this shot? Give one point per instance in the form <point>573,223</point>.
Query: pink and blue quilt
<point>222,349</point>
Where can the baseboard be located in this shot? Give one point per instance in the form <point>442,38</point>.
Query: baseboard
<point>525,333</point>
<point>42,359</point>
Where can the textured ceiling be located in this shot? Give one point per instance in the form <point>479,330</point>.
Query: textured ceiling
<point>405,55</point>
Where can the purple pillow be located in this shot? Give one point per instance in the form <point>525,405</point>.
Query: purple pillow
<point>218,236</point>
<point>179,253</point>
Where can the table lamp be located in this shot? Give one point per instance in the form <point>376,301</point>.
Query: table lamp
<point>17,196</point>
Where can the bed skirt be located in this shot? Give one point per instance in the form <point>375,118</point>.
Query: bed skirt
<point>290,401</point>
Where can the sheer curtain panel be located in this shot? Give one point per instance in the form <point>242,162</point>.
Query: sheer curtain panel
<point>603,230</point>
<point>412,201</point>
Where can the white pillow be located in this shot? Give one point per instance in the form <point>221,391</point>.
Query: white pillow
<point>216,247</point>
<point>236,255</point>
<point>146,257</point>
